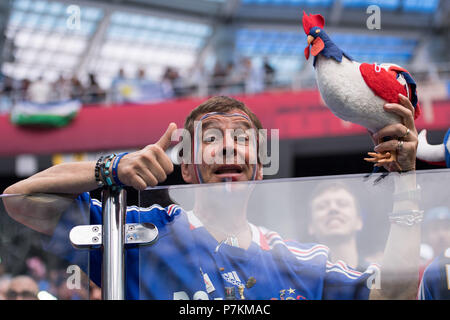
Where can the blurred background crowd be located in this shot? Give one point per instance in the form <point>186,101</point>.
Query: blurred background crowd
<point>225,79</point>
<point>96,53</point>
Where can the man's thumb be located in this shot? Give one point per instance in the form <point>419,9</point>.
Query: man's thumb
<point>165,141</point>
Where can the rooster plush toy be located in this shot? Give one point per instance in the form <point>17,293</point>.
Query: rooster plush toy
<point>354,91</point>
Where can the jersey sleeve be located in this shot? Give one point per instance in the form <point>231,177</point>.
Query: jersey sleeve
<point>345,283</point>
<point>435,283</point>
<point>333,281</point>
<point>88,211</point>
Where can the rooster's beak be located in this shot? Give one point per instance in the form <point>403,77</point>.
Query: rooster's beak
<point>310,39</point>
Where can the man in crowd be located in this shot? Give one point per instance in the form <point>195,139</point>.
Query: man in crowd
<point>213,252</point>
<point>22,288</point>
<point>335,220</point>
<point>435,283</point>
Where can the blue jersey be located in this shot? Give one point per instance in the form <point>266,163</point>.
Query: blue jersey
<point>186,262</point>
<point>435,284</point>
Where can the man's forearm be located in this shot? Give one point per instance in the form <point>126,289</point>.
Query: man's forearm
<point>70,178</point>
<point>400,266</point>
<point>37,206</point>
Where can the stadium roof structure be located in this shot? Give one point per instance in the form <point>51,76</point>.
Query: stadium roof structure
<point>50,37</point>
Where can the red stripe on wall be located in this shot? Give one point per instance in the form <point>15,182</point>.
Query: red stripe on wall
<point>295,114</point>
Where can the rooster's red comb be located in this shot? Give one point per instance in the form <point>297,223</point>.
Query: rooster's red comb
<point>313,20</point>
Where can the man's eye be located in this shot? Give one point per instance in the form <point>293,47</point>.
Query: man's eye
<point>241,138</point>
<point>209,139</point>
<point>342,203</point>
<point>321,206</point>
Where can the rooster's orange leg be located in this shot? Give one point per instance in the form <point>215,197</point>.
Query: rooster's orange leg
<point>381,158</point>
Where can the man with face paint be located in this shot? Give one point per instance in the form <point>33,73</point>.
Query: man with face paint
<point>211,252</point>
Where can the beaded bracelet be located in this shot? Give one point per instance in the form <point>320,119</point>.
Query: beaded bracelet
<point>98,177</point>
<point>106,170</point>
<point>106,173</point>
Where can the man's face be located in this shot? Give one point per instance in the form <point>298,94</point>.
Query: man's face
<point>22,289</point>
<point>437,235</point>
<point>334,213</point>
<point>224,149</point>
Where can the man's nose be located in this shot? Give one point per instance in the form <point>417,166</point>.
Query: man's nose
<point>229,147</point>
<point>333,208</point>
<point>333,211</point>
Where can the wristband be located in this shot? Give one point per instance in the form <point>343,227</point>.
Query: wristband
<point>114,169</point>
<point>106,170</point>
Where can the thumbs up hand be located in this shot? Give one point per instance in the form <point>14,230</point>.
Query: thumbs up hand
<point>148,166</point>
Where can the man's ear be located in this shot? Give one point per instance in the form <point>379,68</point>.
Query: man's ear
<point>187,171</point>
<point>259,172</point>
<point>359,223</point>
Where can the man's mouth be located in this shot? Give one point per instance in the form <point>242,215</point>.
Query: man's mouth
<point>228,170</point>
<point>335,221</point>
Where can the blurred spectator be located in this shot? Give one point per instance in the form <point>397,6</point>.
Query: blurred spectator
<point>93,92</point>
<point>235,78</point>
<point>38,271</point>
<point>229,69</point>
<point>171,82</point>
<point>251,75</point>
<point>22,288</point>
<point>39,91</point>
<point>197,82</point>
<point>436,233</point>
<point>6,92</point>
<point>254,77</point>
<point>4,286</point>
<point>62,89</point>
<point>23,88</point>
<point>55,277</point>
<point>269,72</point>
<point>120,76</point>
<point>116,95</point>
<point>141,74</point>
<point>233,81</point>
<point>218,78</point>
<point>335,221</point>
<point>7,87</point>
<point>76,88</point>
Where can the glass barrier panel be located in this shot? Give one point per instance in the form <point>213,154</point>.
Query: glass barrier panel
<point>335,237</point>
<point>38,260</point>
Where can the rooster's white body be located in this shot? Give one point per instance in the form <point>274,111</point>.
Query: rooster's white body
<point>347,95</point>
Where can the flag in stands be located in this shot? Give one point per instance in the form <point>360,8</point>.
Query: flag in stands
<point>141,91</point>
<point>57,114</point>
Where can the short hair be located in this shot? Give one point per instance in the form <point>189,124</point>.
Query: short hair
<point>325,186</point>
<point>219,104</point>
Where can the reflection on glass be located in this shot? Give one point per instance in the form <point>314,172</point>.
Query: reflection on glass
<point>335,218</point>
<point>37,262</point>
<point>229,240</point>
<point>339,237</point>
<point>435,254</point>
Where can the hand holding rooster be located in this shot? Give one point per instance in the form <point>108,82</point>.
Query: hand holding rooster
<point>404,139</point>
